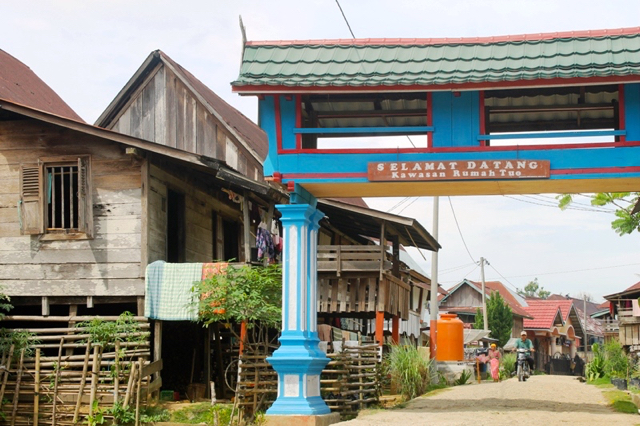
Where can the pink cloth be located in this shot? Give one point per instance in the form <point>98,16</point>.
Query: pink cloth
<point>495,366</point>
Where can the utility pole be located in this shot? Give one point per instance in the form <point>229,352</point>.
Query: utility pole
<point>586,335</point>
<point>484,296</point>
<point>433,305</point>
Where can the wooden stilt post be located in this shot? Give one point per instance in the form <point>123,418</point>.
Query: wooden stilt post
<point>395,329</point>
<point>380,327</point>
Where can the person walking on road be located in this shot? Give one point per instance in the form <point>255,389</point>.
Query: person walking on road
<point>494,360</point>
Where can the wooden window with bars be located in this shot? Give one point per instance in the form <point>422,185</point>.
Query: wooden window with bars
<point>55,198</point>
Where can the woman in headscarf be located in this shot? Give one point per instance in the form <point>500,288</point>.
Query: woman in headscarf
<point>494,359</point>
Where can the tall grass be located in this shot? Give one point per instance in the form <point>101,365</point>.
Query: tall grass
<point>409,370</point>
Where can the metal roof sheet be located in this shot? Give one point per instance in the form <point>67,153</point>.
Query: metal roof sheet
<point>19,84</point>
<point>400,62</point>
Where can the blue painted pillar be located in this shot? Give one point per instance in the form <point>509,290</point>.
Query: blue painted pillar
<point>298,361</point>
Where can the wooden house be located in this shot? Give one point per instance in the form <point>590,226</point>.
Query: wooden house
<point>465,299</point>
<point>86,209</point>
<point>626,316</point>
<point>370,282</point>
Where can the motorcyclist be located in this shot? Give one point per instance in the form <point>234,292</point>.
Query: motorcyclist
<point>526,344</point>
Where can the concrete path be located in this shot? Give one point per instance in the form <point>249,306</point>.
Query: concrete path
<point>541,400</point>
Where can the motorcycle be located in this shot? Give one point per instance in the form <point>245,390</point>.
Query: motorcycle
<point>522,369</point>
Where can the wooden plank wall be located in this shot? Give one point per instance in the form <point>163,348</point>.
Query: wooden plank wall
<point>199,206</point>
<point>166,112</point>
<point>109,264</point>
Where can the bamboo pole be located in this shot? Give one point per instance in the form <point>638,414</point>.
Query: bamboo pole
<point>83,381</point>
<point>55,385</point>
<point>127,395</point>
<point>116,381</point>
<point>36,390</point>
<point>16,392</point>
<point>138,392</point>
<point>95,370</point>
<point>6,372</point>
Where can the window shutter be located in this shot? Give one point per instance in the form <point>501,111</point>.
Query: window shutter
<point>85,199</point>
<point>30,207</point>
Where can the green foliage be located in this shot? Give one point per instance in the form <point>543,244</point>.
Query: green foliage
<point>121,415</point>
<point>410,370</point>
<point>241,293</point>
<point>4,304</point>
<point>507,366</point>
<point>534,289</point>
<point>20,340</point>
<point>107,333</point>
<point>499,316</point>
<point>96,417</point>
<point>624,202</point>
<point>203,413</point>
<point>464,377</point>
<point>596,368</point>
<point>154,415</point>
<point>617,363</point>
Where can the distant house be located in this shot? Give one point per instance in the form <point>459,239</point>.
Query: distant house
<point>553,326</point>
<point>465,298</point>
<point>625,309</point>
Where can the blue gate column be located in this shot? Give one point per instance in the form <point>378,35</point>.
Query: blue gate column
<point>298,361</point>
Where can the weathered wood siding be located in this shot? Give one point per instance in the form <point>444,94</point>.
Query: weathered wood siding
<point>464,296</point>
<point>203,212</point>
<point>165,111</point>
<point>108,264</point>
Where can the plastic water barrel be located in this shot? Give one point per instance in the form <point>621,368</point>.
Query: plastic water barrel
<point>450,338</point>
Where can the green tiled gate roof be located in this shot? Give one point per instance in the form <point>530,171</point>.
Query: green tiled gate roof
<point>426,62</point>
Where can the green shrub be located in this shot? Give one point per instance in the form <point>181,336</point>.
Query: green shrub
<point>507,366</point>
<point>463,378</point>
<point>203,413</point>
<point>616,361</point>
<point>410,371</point>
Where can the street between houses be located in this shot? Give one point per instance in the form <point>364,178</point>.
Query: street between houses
<point>548,400</point>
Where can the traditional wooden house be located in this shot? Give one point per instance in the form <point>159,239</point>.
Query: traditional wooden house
<point>371,282</point>
<point>626,310</point>
<point>85,210</point>
<point>465,299</point>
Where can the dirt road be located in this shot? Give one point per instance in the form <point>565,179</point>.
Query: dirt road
<point>541,400</point>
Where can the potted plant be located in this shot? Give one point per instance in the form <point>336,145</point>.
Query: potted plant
<point>619,381</point>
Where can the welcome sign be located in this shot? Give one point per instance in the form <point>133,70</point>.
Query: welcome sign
<point>457,170</point>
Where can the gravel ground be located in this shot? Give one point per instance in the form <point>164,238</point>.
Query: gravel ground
<point>541,400</point>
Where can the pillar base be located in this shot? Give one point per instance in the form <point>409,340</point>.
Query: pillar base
<point>318,420</point>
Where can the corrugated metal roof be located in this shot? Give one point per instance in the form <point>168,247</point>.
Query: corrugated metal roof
<point>21,85</point>
<point>426,62</point>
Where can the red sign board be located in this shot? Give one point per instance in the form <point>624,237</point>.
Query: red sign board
<point>457,170</point>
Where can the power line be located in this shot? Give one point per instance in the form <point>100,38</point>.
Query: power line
<point>555,206</point>
<point>404,208</point>
<point>345,19</point>
<point>459,231</point>
<point>576,270</point>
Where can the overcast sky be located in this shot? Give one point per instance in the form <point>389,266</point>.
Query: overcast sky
<point>87,50</point>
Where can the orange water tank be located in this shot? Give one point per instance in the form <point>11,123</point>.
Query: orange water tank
<point>450,338</point>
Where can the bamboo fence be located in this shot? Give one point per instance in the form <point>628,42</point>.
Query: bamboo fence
<point>62,378</point>
<point>349,382</point>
